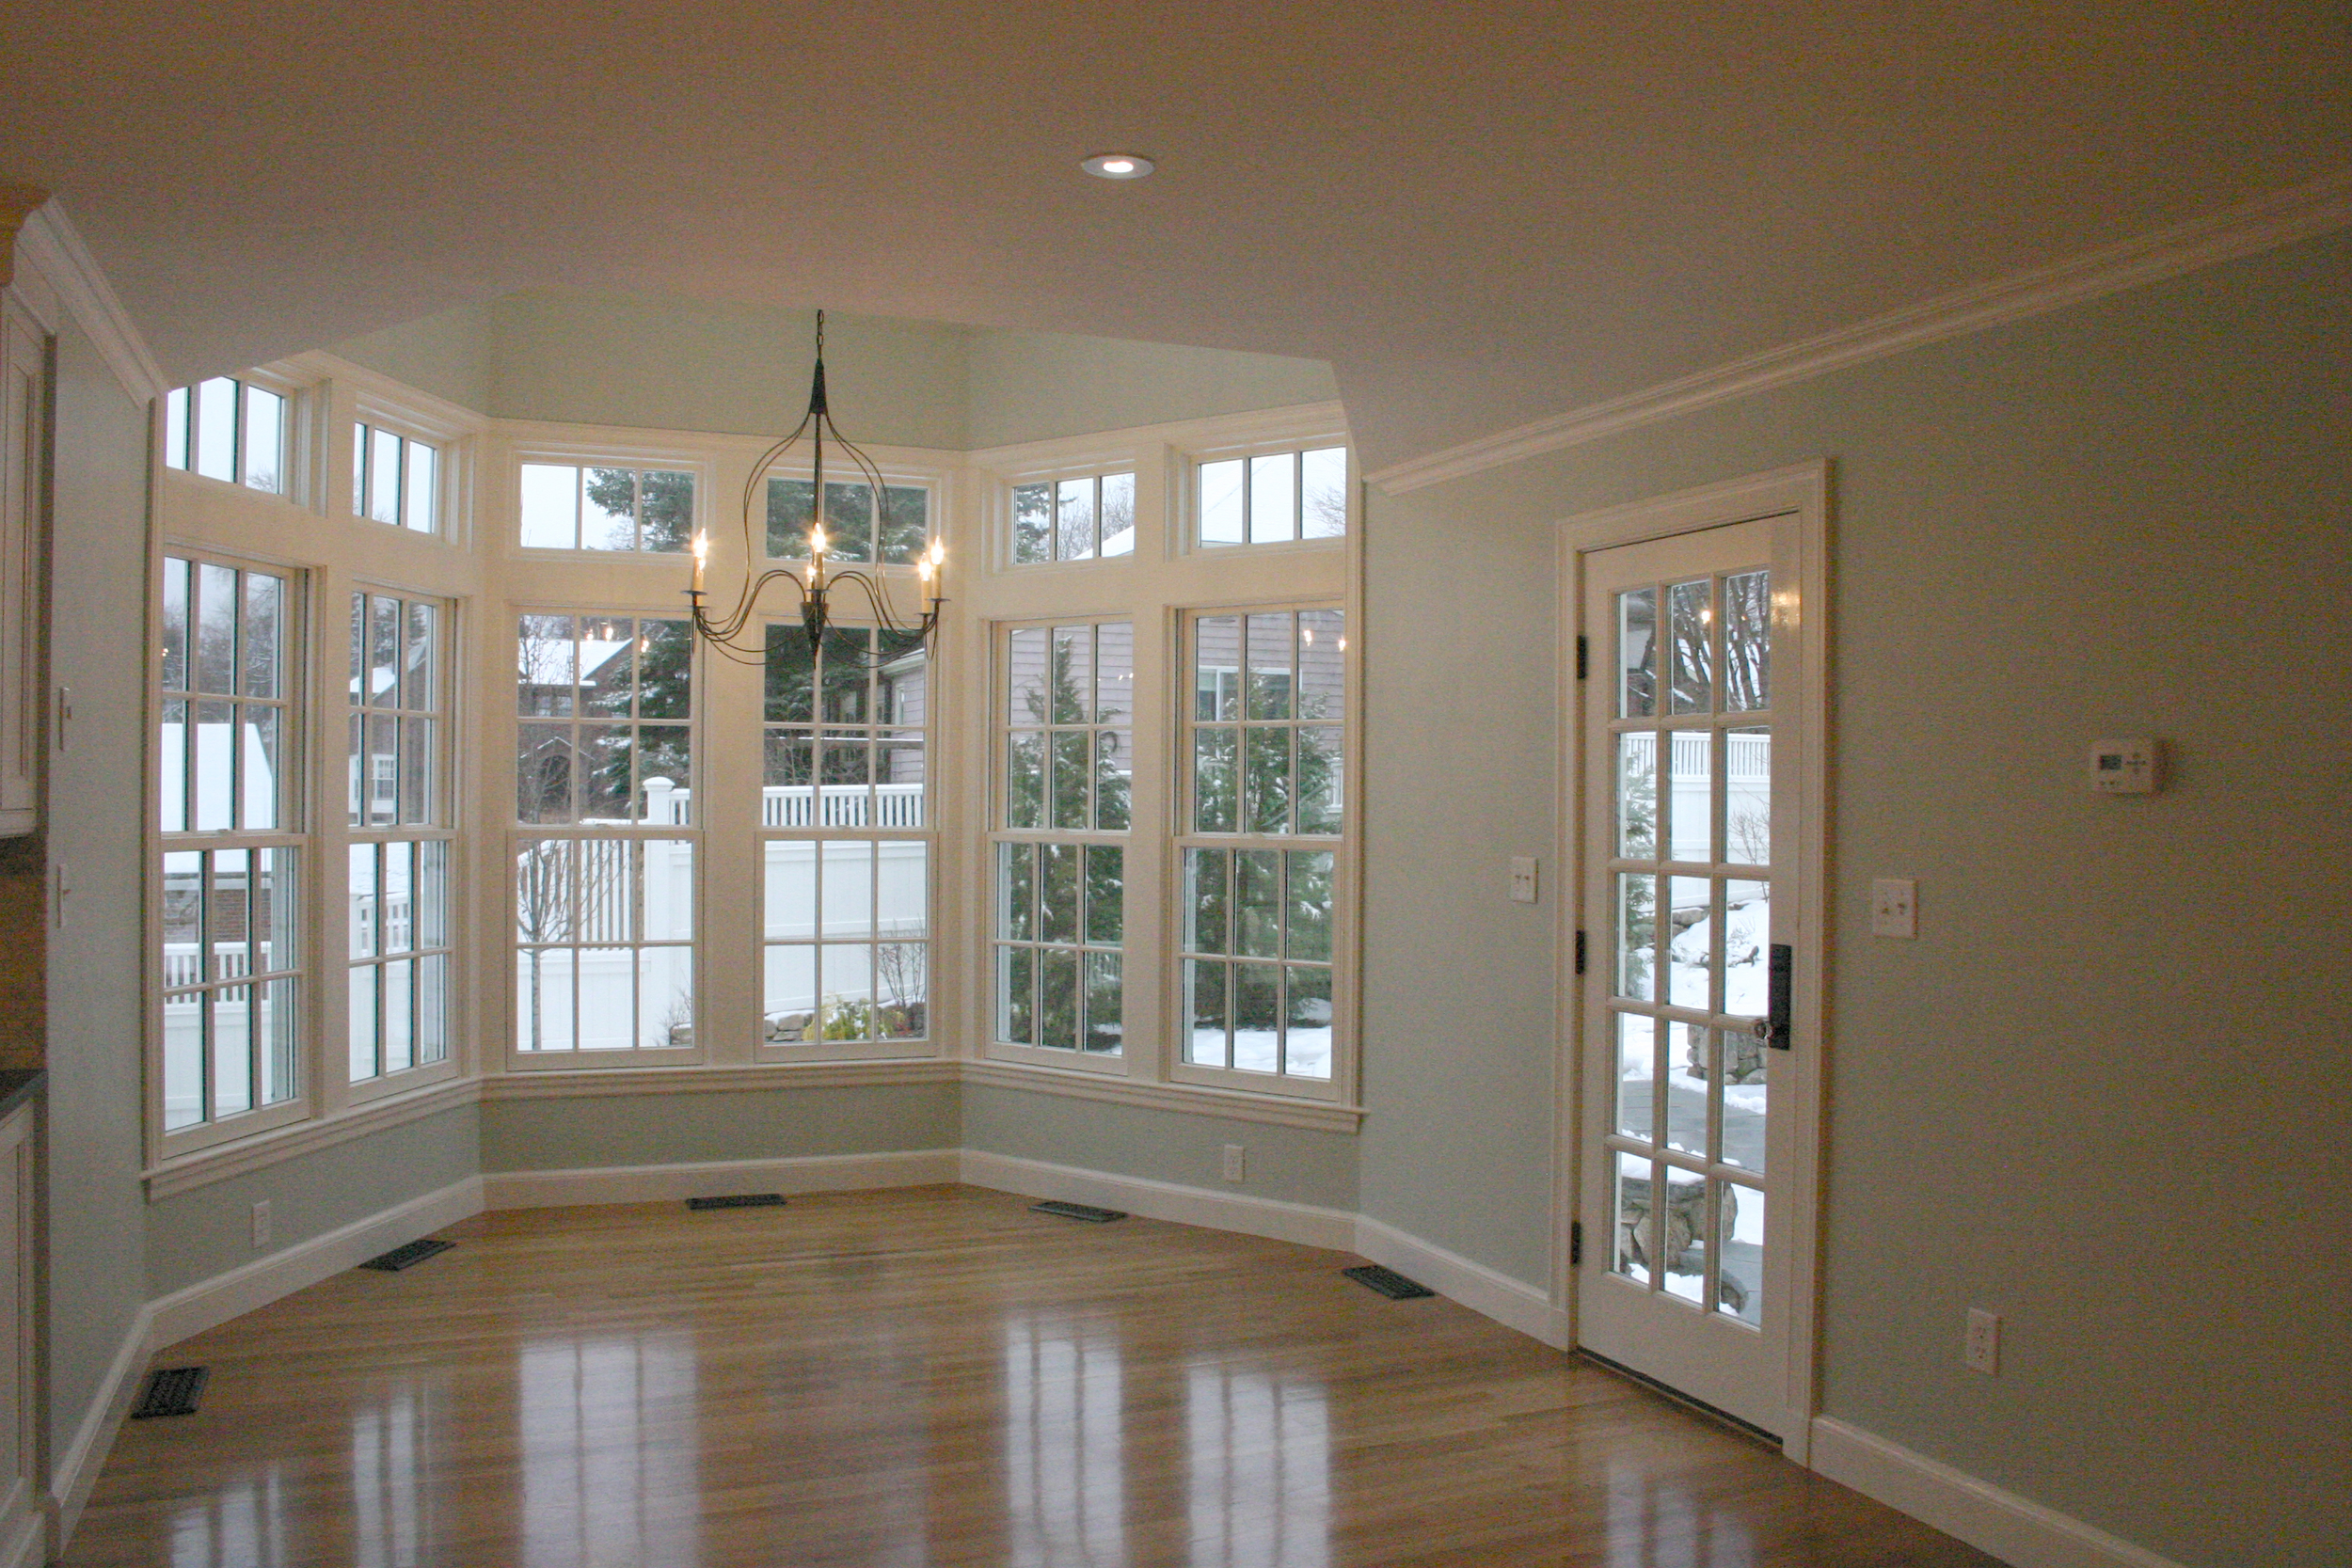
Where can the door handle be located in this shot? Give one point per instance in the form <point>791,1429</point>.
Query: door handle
<point>1781,977</point>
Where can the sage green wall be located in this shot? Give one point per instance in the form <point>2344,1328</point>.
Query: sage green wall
<point>1035,386</point>
<point>198,1235</point>
<point>591,1130</point>
<point>1292,1165</point>
<point>2102,1093</point>
<point>669,364</point>
<point>96,807</point>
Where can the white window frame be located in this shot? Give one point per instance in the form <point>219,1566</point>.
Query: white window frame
<point>1164,580</point>
<point>1133,841</point>
<point>894,477</point>
<point>619,453</point>
<point>1183,837</point>
<point>929,1043</point>
<point>1188,538</point>
<point>296,830</point>
<point>442,828</point>
<point>449,461</point>
<point>502,749</point>
<point>299,436</point>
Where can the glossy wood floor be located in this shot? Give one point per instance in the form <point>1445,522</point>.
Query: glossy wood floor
<point>928,1376</point>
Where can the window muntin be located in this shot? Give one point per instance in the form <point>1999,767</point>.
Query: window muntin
<point>845,880</point>
<point>604,943</point>
<point>849,520</point>
<point>606,732</point>
<point>1271,498</point>
<point>1265,734</point>
<point>568,506</point>
<point>1266,726</point>
<point>232,954</point>
<point>395,479</point>
<point>1075,519</point>
<point>1069,736</point>
<point>230,430</point>
<point>398,891</point>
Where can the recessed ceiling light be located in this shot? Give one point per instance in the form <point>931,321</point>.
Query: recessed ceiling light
<point>1117,166</point>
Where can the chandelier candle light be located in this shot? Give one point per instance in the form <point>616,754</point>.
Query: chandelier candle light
<point>733,634</point>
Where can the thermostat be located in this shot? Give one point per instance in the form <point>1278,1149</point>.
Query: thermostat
<point>2124,767</point>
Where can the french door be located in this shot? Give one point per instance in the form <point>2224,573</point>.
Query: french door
<point>1695,1171</point>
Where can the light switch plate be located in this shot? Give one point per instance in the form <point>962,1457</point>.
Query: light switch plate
<point>1523,879</point>
<point>2124,766</point>
<point>1895,907</point>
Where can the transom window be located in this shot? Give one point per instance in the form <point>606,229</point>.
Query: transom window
<point>227,429</point>
<point>850,522</point>
<point>1274,498</point>
<point>395,479</point>
<point>570,506</point>
<point>1075,519</point>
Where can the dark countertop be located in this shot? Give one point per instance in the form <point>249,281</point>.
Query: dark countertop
<point>19,1084</point>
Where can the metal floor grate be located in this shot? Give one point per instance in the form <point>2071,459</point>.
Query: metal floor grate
<point>407,1257</point>
<point>737,1200</point>
<point>171,1391</point>
<point>1086,1212</point>
<point>1389,1283</point>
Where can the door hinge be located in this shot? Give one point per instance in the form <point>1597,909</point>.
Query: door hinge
<point>1583,657</point>
<point>1579,952</point>
<point>1575,1242</point>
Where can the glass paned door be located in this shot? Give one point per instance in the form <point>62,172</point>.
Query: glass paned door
<point>1688,847</point>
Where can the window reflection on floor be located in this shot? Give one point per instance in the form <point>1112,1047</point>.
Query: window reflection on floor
<point>608,1446</point>
<point>244,1523</point>
<point>1259,1452</point>
<point>1065,1463</point>
<point>388,1464</point>
<point>1658,1522</point>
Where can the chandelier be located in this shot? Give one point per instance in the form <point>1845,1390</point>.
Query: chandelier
<point>732,633</point>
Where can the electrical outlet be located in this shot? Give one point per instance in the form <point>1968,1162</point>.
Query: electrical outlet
<point>261,1224</point>
<point>1895,907</point>
<point>1235,1163</point>
<point>1981,1350</point>
<point>1523,879</point>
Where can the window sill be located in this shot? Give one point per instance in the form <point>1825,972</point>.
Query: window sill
<point>186,1172</point>
<point>1193,1100</point>
<point>579,1083</point>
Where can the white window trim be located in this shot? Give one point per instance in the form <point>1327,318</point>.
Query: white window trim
<point>298,810</point>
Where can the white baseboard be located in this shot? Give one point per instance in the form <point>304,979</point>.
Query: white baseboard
<point>74,1475</point>
<point>1302,1223</point>
<point>1512,1302</point>
<point>216,1300</point>
<point>2021,1533</point>
<point>822,1173</point>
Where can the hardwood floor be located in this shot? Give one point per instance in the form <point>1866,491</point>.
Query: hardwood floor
<point>928,1376</point>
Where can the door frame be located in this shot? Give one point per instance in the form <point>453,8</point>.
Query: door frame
<point>1800,490</point>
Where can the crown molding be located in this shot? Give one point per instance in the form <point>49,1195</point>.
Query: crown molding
<point>50,245</point>
<point>2318,207</point>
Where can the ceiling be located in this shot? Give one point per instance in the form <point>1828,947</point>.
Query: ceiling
<point>1480,213</point>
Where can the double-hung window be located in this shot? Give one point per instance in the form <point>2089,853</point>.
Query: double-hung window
<point>401,845</point>
<point>845,844</point>
<point>603,867</point>
<point>1263,815</point>
<point>1063,813</point>
<point>232,896</point>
